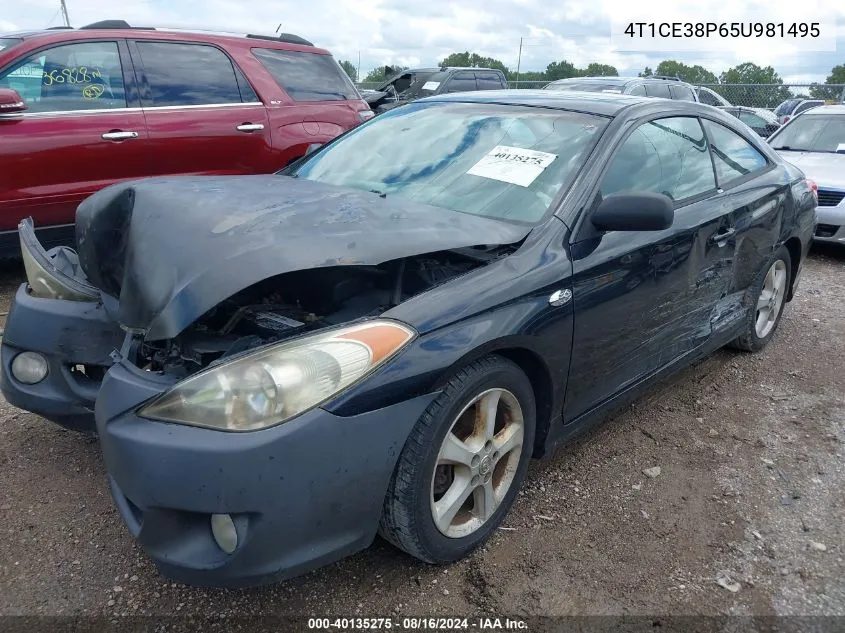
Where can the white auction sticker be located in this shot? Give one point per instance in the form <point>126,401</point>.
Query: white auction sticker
<point>431,85</point>
<point>512,164</point>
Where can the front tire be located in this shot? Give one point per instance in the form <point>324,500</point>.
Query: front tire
<point>765,300</point>
<point>463,463</point>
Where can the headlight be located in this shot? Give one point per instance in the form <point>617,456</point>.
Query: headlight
<point>279,382</point>
<point>44,278</point>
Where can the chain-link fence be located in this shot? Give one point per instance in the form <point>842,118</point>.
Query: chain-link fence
<point>751,95</point>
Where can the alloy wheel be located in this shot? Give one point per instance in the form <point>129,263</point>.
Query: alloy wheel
<point>771,299</point>
<point>477,463</point>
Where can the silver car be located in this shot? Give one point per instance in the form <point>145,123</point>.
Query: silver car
<point>815,143</point>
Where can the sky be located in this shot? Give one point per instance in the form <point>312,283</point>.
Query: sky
<point>422,32</point>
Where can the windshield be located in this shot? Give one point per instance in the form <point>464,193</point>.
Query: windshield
<point>812,133</point>
<point>8,42</point>
<point>493,160</point>
<point>588,86</point>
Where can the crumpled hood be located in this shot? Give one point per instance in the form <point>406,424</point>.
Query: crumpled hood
<point>826,169</point>
<point>173,248</point>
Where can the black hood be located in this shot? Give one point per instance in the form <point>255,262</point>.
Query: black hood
<point>173,248</point>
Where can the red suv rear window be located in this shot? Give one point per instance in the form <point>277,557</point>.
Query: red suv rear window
<point>307,76</point>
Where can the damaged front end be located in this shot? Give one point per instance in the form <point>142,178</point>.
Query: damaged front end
<point>261,300</point>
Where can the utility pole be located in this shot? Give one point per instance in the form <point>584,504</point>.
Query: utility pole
<point>519,60</point>
<point>358,72</point>
<point>64,14</point>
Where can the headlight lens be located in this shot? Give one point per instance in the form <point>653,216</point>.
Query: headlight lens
<point>44,278</point>
<point>277,383</point>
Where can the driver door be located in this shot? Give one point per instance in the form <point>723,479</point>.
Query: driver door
<point>643,299</point>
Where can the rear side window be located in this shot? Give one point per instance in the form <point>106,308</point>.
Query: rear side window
<point>84,76</point>
<point>733,156</point>
<point>638,90</point>
<point>188,74</point>
<point>461,82</point>
<point>704,96</point>
<point>658,89</point>
<point>307,76</point>
<point>806,105</point>
<point>751,120</point>
<point>681,93</point>
<point>490,81</point>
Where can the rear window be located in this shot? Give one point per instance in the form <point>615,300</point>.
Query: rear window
<point>682,93</point>
<point>786,107</point>
<point>307,76</point>
<point>8,42</point>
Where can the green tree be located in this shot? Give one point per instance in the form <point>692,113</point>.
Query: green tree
<point>764,88</point>
<point>600,70</point>
<point>836,76</point>
<point>380,73</point>
<point>561,70</point>
<point>695,75</point>
<point>350,69</point>
<point>474,60</point>
<point>647,72</point>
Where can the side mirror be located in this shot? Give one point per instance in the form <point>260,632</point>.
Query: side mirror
<point>11,102</point>
<point>641,211</point>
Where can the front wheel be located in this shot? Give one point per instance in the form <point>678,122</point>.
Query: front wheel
<point>463,463</point>
<point>765,300</point>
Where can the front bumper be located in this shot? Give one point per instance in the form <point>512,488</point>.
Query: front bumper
<point>830,225</point>
<point>69,334</point>
<point>301,494</point>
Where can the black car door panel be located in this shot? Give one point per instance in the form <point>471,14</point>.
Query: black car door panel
<point>644,299</point>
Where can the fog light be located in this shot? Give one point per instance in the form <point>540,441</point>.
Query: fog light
<point>29,368</point>
<point>223,529</point>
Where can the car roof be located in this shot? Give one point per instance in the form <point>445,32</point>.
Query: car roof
<point>603,104</point>
<point>824,109</point>
<point>62,34</point>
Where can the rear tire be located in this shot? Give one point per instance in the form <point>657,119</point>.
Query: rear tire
<point>765,299</point>
<point>448,494</point>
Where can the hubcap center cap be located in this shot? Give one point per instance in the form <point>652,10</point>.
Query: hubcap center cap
<point>484,465</point>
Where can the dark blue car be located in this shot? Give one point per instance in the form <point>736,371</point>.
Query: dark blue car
<point>380,337</point>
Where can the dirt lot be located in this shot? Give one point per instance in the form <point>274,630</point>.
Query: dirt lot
<point>751,489</point>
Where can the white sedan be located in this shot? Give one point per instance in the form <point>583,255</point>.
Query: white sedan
<point>815,143</point>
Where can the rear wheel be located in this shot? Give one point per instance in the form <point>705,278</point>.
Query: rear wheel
<point>463,463</point>
<point>765,300</point>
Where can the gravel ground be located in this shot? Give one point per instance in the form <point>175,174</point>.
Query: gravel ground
<point>750,491</point>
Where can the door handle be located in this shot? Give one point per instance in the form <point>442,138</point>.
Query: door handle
<point>250,127</point>
<point>722,236</point>
<point>119,136</point>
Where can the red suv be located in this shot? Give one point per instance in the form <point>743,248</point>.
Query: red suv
<point>81,109</point>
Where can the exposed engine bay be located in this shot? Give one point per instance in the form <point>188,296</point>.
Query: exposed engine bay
<point>294,303</point>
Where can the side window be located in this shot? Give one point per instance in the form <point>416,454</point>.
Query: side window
<point>733,155</point>
<point>681,93</point>
<point>84,76</point>
<point>489,81</point>
<point>751,120</point>
<point>705,97</point>
<point>461,82</point>
<point>307,76</point>
<point>658,89</point>
<point>638,90</point>
<point>188,74</point>
<point>667,156</point>
<point>806,106</point>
